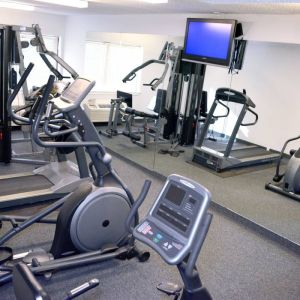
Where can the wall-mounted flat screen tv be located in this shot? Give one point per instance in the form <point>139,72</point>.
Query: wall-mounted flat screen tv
<point>209,41</point>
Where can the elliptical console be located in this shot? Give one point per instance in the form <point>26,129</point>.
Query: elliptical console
<point>173,222</point>
<point>176,227</point>
<point>74,94</point>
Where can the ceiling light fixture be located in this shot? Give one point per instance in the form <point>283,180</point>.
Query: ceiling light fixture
<point>72,3</point>
<point>156,1</point>
<point>16,5</point>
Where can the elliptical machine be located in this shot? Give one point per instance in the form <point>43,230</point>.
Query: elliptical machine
<point>288,183</point>
<point>90,226</point>
<point>175,228</point>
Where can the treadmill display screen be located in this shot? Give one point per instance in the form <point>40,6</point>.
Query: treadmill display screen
<point>175,195</point>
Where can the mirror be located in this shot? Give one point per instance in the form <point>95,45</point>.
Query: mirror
<point>268,76</point>
<point>109,57</point>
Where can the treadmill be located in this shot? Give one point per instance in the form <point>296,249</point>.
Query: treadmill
<point>228,152</point>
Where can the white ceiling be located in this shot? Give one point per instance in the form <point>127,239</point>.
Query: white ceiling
<point>176,6</point>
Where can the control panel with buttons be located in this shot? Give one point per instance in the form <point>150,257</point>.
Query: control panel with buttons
<point>174,220</point>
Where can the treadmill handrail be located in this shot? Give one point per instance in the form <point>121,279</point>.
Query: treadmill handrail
<point>251,123</point>
<point>230,95</point>
<point>227,108</point>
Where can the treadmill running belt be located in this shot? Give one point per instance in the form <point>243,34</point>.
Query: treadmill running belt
<point>221,145</point>
<point>23,184</point>
<point>251,152</point>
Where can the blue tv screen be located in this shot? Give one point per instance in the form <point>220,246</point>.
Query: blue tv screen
<point>209,41</point>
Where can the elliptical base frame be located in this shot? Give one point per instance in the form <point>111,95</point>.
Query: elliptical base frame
<point>278,188</point>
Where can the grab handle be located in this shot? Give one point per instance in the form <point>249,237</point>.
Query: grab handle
<point>137,204</point>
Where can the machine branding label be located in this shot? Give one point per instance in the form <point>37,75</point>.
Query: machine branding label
<point>177,245</point>
<point>187,184</point>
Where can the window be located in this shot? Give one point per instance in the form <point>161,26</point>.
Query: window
<point>109,63</point>
<point>40,73</point>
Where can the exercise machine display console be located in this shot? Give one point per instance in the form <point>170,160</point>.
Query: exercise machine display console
<point>176,227</point>
<point>174,220</point>
<point>73,95</point>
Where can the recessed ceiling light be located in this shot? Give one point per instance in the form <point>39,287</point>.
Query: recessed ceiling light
<point>16,5</point>
<point>72,3</point>
<point>156,1</point>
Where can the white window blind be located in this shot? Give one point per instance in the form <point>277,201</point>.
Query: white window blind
<point>40,73</point>
<point>109,63</point>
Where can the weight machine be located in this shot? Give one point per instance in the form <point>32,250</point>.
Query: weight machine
<point>180,105</point>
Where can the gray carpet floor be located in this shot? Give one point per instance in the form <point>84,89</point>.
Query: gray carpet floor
<point>241,191</point>
<point>235,262</point>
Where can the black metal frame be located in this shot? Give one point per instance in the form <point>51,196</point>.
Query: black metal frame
<point>278,188</point>
<point>7,39</point>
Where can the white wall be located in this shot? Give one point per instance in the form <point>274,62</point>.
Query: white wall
<point>269,74</point>
<point>280,28</point>
<point>49,23</point>
<point>272,28</point>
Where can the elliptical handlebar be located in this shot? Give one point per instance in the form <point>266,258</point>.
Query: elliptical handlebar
<point>191,262</point>
<point>39,41</point>
<point>15,93</point>
<point>51,68</point>
<point>106,158</point>
<point>140,199</point>
<point>48,123</point>
<point>20,120</point>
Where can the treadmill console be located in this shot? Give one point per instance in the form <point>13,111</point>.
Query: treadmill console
<point>74,94</point>
<point>174,221</point>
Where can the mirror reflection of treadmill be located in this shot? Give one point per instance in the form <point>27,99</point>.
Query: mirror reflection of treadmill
<point>221,152</point>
